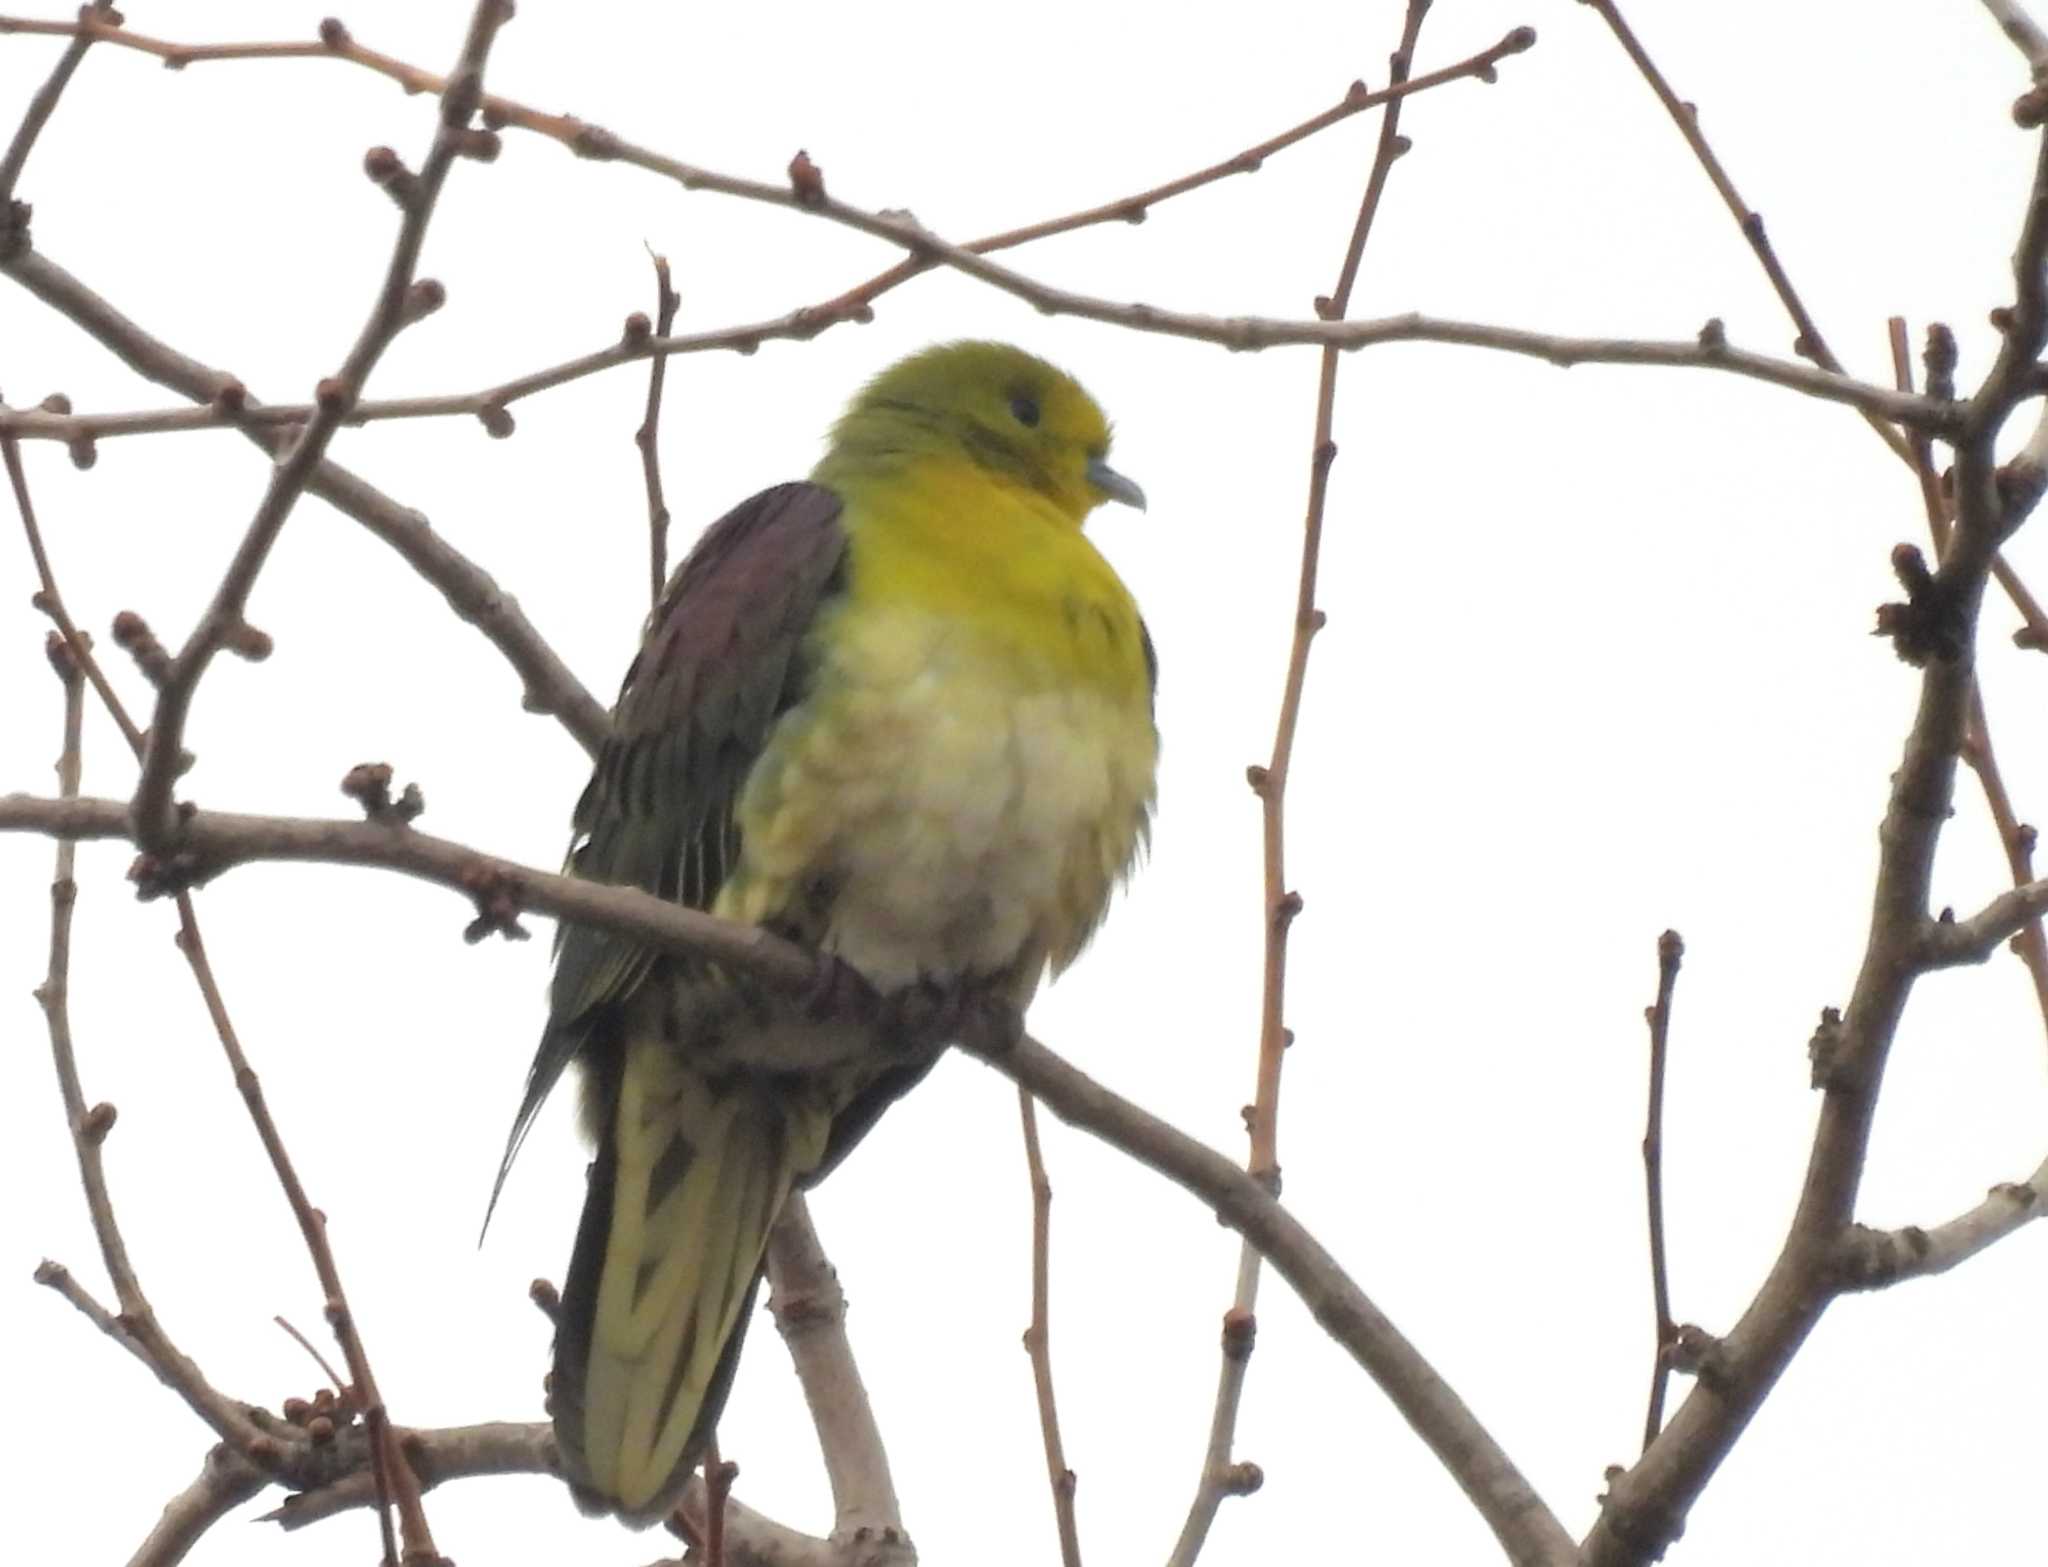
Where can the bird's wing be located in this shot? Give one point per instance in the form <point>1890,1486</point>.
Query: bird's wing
<point>721,660</point>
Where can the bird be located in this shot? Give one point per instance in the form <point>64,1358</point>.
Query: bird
<point>901,713</point>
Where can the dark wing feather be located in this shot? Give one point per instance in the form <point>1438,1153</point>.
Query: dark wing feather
<point>720,661</point>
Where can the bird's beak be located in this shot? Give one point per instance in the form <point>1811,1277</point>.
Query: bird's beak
<point>1113,485</point>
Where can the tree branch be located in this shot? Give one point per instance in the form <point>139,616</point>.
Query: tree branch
<point>551,688</point>
<point>809,1309</point>
<point>212,841</point>
<point>2025,33</point>
<point>1670,952</point>
<point>13,218</point>
<point>399,302</point>
<point>1873,1259</point>
<point>225,1481</point>
<point>648,436</point>
<point>1279,905</point>
<point>1645,1506</point>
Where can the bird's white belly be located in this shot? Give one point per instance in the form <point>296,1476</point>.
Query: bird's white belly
<point>953,817</point>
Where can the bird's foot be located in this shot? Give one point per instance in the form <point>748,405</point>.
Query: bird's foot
<point>931,1013</point>
<point>841,991</point>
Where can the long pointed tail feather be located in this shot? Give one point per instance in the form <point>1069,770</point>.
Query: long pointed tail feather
<point>682,1194</point>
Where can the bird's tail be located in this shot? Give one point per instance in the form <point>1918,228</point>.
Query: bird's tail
<point>689,1177</point>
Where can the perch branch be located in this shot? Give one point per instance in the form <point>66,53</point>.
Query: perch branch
<point>214,840</point>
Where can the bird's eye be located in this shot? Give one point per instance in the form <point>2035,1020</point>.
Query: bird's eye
<point>1025,409</point>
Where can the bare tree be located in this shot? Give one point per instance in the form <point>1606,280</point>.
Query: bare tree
<point>349,1447</point>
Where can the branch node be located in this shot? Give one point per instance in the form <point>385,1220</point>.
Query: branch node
<point>96,1123</point>
<point>497,420</point>
<point>387,171</point>
<point>57,649</point>
<point>231,396</point>
<point>1713,337</point>
<point>369,785</point>
<point>479,142</point>
<point>594,141</point>
<point>497,896</point>
<point>463,95</point>
<point>1824,1051</point>
<point>1242,1478</point>
<point>2030,108</point>
<point>334,395</point>
<point>1695,1352</point>
<point>806,181</point>
<point>1930,625</point>
<point>1240,1330</point>
<point>164,875</point>
<point>133,636</point>
<point>638,328</point>
<point>426,295</point>
<point>1940,357</point>
<point>545,1296</point>
<point>55,403</point>
<point>333,34</point>
<point>248,642</point>
<point>83,451</point>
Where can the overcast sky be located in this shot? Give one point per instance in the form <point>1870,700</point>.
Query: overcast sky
<point>1597,664</point>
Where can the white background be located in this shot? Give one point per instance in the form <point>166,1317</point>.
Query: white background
<point>1597,663</point>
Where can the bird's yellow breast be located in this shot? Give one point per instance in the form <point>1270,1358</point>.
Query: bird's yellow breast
<point>972,769</point>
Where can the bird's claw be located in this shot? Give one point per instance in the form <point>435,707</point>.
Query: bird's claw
<point>840,990</point>
<point>929,1014</point>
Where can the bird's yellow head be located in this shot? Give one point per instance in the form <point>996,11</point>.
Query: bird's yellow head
<point>1016,418</point>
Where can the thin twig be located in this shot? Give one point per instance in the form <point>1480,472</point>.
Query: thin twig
<point>398,302</point>
<point>50,599</point>
<point>472,594</point>
<point>1809,341</point>
<point>592,141</point>
<point>647,437</point>
<point>1670,952</point>
<point>1241,333</point>
<point>1222,1474</point>
<point>37,115</point>
<point>1645,1506</point>
<point>1038,1338</point>
<point>136,1327</point>
<point>853,304</point>
<point>2015,838</point>
<point>1875,1259</point>
<point>339,1382</point>
<point>395,1482</point>
<point>2024,32</point>
<point>719,1474</point>
<point>218,839</point>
